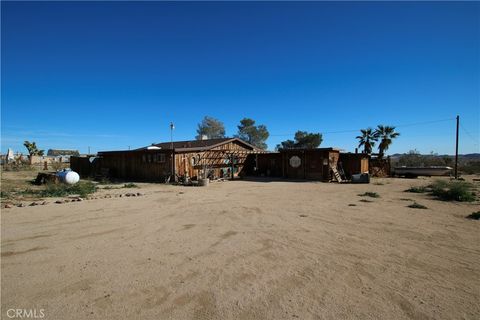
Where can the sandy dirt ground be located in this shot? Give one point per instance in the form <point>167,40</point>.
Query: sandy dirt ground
<point>245,250</point>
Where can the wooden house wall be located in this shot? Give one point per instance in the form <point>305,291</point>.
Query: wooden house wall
<point>144,165</point>
<point>265,165</point>
<point>83,166</point>
<point>314,164</point>
<point>216,159</point>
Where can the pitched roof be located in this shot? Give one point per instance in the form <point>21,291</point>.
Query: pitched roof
<point>198,145</point>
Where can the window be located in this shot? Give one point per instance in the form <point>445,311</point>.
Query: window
<point>161,157</point>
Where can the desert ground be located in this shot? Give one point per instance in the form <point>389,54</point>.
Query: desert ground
<point>245,250</point>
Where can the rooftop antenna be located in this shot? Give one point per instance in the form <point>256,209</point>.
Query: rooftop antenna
<point>456,148</point>
<point>172,127</point>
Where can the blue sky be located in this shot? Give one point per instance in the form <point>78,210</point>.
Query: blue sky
<point>114,74</point>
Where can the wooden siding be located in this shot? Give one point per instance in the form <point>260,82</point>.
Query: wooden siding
<point>83,166</point>
<point>148,165</point>
<point>265,165</point>
<point>156,165</point>
<point>145,165</point>
<point>313,164</point>
<point>354,163</point>
<point>217,161</point>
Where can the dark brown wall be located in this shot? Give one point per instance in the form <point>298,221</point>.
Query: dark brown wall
<point>83,166</point>
<point>314,164</point>
<point>146,165</point>
<point>354,163</point>
<point>267,165</point>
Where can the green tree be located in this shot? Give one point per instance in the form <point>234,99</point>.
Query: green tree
<point>210,127</point>
<point>367,140</point>
<point>385,134</point>
<point>287,144</point>
<point>303,140</point>
<point>32,148</point>
<point>253,134</point>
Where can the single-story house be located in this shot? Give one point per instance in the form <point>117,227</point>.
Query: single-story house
<point>223,157</point>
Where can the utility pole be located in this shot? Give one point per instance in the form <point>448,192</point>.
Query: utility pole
<point>171,147</point>
<point>88,150</point>
<point>456,149</point>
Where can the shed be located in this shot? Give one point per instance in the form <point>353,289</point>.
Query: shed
<point>313,164</point>
<point>354,163</point>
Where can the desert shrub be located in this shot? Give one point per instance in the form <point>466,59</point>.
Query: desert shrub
<point>470,167</point>
<point>365,200</point>
<point>21,166</point>
<point>417,189</point>
<point>474,215</point>
<point>110,187</point>
<point>413,158</point>
<point>130,185</point>
<point>416,205</point>
<point>105,180</point>
<point>452,190</point>
<point>370,194</point>
<point>82,188</point>
<point>57,165</point>
<point>59,190</point>
<point>5,194</point>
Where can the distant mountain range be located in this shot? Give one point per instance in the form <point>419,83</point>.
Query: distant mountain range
<point>468,156</point>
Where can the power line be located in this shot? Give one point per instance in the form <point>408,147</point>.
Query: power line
<point>469,134</point>
<point>357,130</point>
<point>423,122</point>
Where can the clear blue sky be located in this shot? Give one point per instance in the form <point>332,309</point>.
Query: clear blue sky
<point>114,74</point>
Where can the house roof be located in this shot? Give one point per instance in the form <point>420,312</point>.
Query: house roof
<point>57,152</point>
<point>198,145</point>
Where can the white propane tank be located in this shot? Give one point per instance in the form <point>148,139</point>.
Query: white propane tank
<point>68,177</point>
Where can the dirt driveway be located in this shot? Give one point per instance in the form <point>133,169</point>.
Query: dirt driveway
<point>245,250</point>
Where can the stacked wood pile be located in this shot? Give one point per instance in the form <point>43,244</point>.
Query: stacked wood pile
<point>380,167</point>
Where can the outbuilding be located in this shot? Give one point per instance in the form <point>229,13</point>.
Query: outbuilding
<point>312,164</point>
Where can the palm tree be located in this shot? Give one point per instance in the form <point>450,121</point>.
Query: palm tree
<point>385,134</point>
<point>367,140</point>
